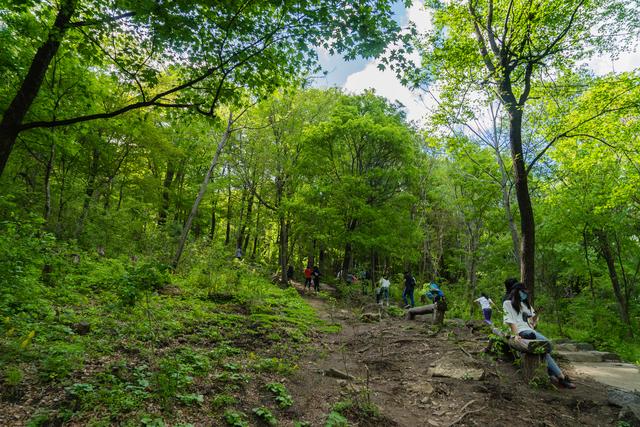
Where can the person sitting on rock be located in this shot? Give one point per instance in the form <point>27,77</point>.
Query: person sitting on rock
<point>522,320</point>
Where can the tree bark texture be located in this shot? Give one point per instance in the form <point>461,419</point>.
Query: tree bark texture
<point>607,254</point>
<point>527,222</point>
<point>21,103</point>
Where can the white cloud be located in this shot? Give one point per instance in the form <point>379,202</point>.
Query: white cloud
<point>386,84</point>
<point>627,61</point>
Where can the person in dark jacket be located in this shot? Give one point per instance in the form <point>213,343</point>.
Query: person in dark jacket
<point>409,286</point>
<point>316,278</point>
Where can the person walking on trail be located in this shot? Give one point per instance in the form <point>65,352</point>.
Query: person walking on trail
<point>316,278</point>
<point>522,320</point>
<point>307,278</point>
<point>383,290</point>
<point>409,286</point>
<point>485,304</point>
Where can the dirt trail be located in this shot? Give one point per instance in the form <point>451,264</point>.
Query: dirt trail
<point>392,362</point>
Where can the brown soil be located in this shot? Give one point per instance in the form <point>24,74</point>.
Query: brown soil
<point>391,359</point>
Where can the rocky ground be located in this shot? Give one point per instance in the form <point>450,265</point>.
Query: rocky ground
<point>388,371</point>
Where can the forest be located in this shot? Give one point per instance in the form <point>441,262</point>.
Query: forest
<point>163,163</point>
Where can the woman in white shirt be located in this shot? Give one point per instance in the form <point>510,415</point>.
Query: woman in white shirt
<point>522,320</point>
<point>485,304</point>
<point>384,289</point>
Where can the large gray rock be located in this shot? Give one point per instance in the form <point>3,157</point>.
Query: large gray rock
<point>588,356</point>
<point>573,346</point>
<point>621,398</point>
<point>566,347</point>
<point>455,369</point>
<point>583,346</point>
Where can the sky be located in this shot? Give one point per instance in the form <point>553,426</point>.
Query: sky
<point>358,75</point>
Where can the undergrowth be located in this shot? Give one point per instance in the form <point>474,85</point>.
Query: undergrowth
<point>123,342</point>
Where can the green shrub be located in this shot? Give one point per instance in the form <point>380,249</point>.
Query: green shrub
<point>12,376</point>
<point>282,396</point>
<point>235,419</point>
<point>265,415</point>
<point>60,360</point>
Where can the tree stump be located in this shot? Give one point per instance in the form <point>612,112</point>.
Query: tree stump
<point>532,365</point>
<point>441,308</point>
<point>532,355</point>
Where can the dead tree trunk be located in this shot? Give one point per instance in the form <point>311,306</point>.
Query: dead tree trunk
<point>203,189</point>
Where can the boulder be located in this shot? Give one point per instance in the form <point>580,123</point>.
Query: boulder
<point>583,346</point>
<point>81,328</point>
<point>622,398</point>
<point>610,357</point>
<point>455,369</point>
<point>566,347</point>
<point>583,356</point>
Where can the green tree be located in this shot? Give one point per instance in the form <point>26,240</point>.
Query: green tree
<point>510,46</point>
<point>183,55</point>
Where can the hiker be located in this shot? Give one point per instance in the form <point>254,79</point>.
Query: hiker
<point>485,304</point>
<point>239,252</point>
<point>522,320</point>
<point>508,284</point>
<point>383,290</point>
<point>290,273</point>
<point>409,285</point>
<point>434,293</point>
<point>316,278</point>
<point>307,278</point>
<point>351,279</point>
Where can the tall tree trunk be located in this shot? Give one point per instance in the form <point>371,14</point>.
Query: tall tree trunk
<point>89,191</point>
<point>256,231</point>
<point>47,183</point>
<point>527,222</point>
<point>228,231</point>
<point>212,232</point>
<point>284,245</point>
<point>21,103</point>
<point>473,229</point>
<point>166,187</point>
<point>347,262</point>
<point>120,194</point>
<point>203,189</point>
<point>586,257</point>
<point>506,200</point>
<point>607,254</point>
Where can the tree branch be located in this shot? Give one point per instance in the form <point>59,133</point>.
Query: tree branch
<point>101,21</point>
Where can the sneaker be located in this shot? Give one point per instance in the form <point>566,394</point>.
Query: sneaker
<point>407,306</point>
<point>566,383</point>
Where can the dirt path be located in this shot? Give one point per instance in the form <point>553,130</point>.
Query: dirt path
<point>392,362</point>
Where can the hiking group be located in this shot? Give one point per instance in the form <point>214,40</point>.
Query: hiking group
<point>312,274</point>
<point>518,313</point>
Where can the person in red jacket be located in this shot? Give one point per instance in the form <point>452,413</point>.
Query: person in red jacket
<point>307,278</point>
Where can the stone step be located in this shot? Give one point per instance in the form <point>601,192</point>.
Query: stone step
<point>574,346</point>
<point>588,356</point>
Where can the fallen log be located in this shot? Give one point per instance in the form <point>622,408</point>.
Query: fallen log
<point>425,309</point>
